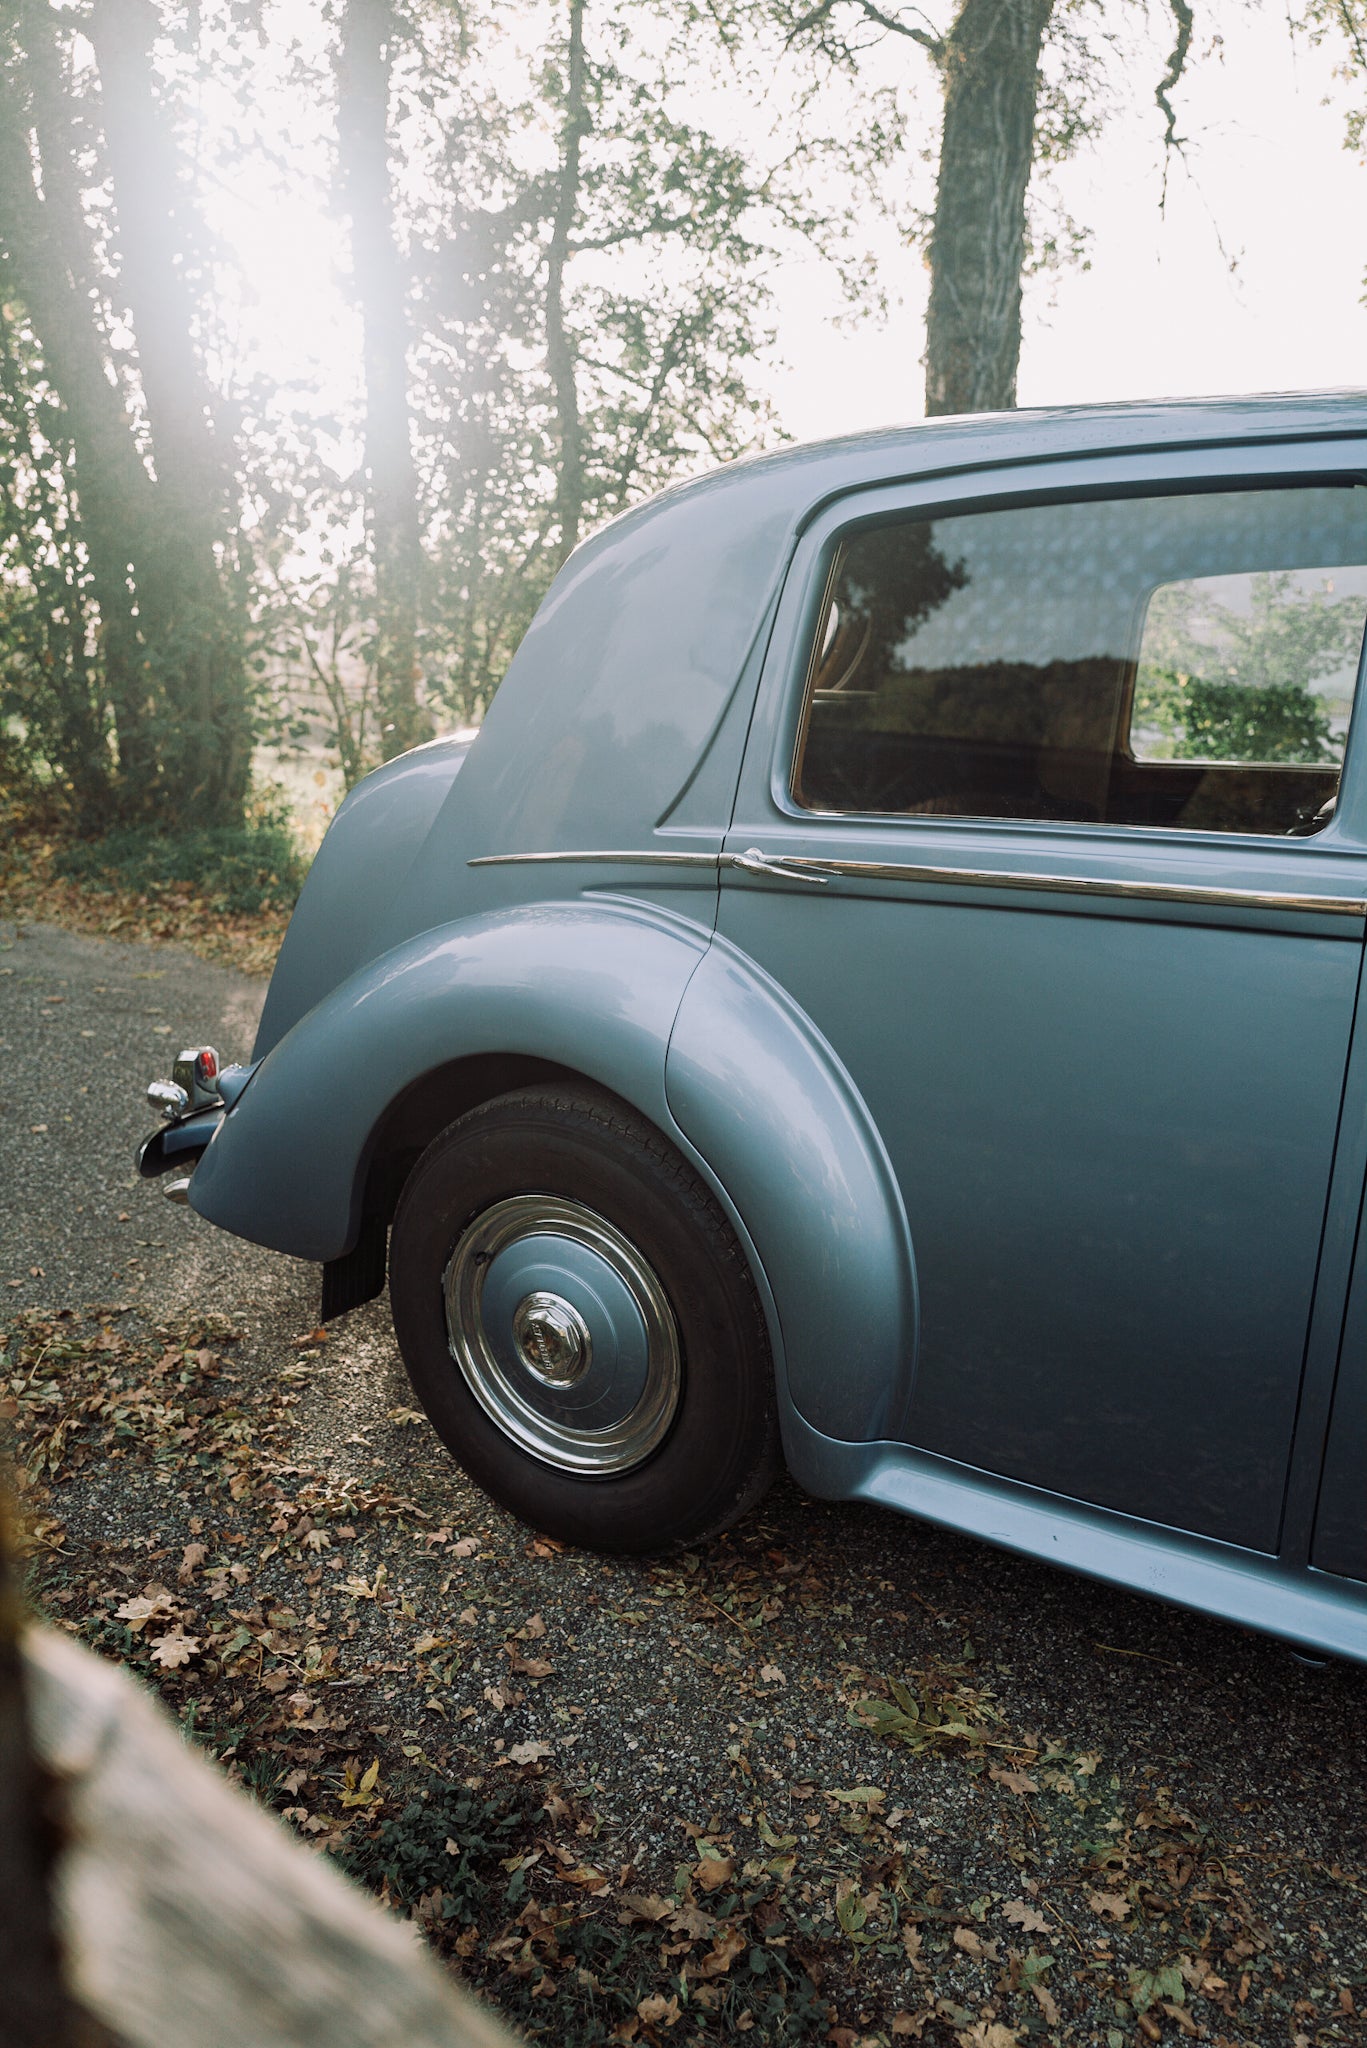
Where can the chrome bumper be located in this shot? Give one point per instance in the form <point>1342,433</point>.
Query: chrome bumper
<point>194,1104</point>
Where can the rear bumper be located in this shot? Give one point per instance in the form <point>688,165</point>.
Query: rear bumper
<point>180,1143</point>
<point>185,1138</point>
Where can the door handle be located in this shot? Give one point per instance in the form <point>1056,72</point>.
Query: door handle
<point>753,862</point>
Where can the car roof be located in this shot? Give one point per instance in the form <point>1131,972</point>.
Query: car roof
<point>618,695</point>
<point>1043,433</point>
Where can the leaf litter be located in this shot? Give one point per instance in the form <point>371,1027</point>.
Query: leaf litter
<point>472,1721</point>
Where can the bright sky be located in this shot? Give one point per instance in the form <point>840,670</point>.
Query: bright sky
<point>1158,313</point>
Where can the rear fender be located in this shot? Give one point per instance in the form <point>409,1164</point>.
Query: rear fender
<point>690,1033</point>
<point>763,1100</point>
<point>589,987</point>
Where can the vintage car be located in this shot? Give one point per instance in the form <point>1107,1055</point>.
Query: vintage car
<point>881,992</point>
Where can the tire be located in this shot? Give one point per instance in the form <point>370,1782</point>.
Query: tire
<point>579,1323</point>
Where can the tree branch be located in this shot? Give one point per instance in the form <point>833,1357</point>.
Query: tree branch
<point>1182,15</point>
<point>822,12</point>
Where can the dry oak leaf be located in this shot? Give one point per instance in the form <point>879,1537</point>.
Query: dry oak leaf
<point>729,1944</point>
<point>973,1944</point>
<point>192,1558</point>
<point>1045,2000</point>
<point>528,1667</point>
<point>1014,1781</point>
<point>692,1921</point>
<point>530,1752</point>
<point>659,2011</point>
<point>154,1603</point>
<point>637,1906</point>
<point>1110,1905</point>
<point>988,2034</point>
<point>910,2025</point>
<point>1025,1916</point>
<point>714,1871</point>
<point>171,1651</point>
<point>771,1675</point>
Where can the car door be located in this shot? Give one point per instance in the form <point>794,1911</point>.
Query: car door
<point>1051,843</point>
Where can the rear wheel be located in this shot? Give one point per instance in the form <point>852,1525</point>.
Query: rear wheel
<point>579,1322</point>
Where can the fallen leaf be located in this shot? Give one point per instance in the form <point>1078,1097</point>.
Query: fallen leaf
<point>192,1558</point>
<point>1110,1905</point>
<point>467,1547</point>
<point>660,2011</point>
<point>636,1907</point>
<point>530,1752</point>
<point>175,1649</point>
<point>361,1791</point>
<point>155,1604</point>
<point>729,1944</point>
<point>528,1667</point>
<point>1014,1781</point>
<point>771,1675</point>
<point>859,1795</point>
<point>714,1871</point>
<point>1046,2000</point>
<point>692,1921</point>
<point>1024,1916</point>
<point>988,2034</point>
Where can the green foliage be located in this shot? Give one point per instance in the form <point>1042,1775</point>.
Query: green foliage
<point>1204,720</point>
<point>236,869</point>
<point>1236,681</point>
<point>408,1855</point>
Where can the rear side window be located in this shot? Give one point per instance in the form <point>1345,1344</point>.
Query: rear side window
<point>1174,661</point>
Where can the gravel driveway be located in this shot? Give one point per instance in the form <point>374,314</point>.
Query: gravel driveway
<point>966,1797</point>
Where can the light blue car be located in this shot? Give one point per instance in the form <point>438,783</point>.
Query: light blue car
<point>881,992</point>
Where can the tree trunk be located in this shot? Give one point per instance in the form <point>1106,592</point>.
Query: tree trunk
<point>44,243</point>
<point>569,498</point>
<point>990,66</point>
<point>195,635</point>
<point>363,74</point>
<point>69,702</point>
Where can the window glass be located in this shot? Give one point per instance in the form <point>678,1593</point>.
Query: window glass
<point>1178,661</point>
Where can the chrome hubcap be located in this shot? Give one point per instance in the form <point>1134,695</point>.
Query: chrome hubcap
<point>552,1339</point>
<point>564,1334</point>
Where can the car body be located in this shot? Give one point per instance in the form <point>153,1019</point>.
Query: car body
<point>947,849</point>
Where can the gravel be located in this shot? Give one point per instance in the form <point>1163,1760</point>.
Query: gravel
<point>715,1690</point>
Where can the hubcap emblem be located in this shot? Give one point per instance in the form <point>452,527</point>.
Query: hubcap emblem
<point>552,1339</point>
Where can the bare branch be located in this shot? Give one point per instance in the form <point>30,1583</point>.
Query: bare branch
<point>815,16</point>
<point>1182,15</point>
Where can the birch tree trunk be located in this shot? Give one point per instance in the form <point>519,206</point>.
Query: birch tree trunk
<point>990,67</point>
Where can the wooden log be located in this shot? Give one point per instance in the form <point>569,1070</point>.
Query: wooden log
<point>189,1918</point>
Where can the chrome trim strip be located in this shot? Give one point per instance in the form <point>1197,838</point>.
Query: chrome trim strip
<point>804,867</point>
<point>1082,885</point>
<point>633,854</point>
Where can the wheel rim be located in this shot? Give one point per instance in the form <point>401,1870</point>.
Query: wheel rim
<point>563,1334</point>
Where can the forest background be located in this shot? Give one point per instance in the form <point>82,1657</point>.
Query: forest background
<point>554,236</point>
